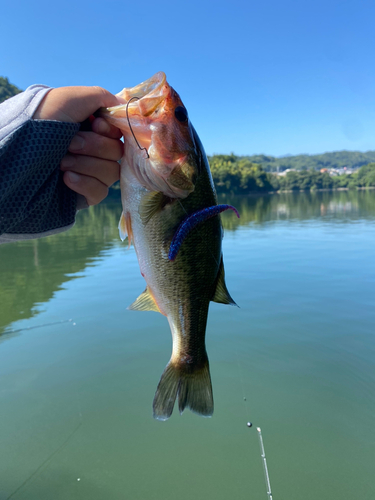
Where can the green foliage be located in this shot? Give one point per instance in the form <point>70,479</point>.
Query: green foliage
<point>366,175</point>
<point>238,175</point>
<point>337,159</point>
<point>305,180</point>
<point>7,89</point>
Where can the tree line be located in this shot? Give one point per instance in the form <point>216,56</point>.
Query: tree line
<point>336,159</point>
<point>238,175</point>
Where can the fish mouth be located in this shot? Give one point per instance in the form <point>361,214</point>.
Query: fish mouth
<point>150,86</point>
<point>143,99</point>
<point>147,119</point>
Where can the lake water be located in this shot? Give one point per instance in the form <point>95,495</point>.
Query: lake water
<point>78,371</point>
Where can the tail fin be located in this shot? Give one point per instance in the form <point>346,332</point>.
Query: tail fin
<point>193,386</point>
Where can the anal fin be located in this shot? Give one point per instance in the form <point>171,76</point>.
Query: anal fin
<point>145,302</point>
<point>221,295</point>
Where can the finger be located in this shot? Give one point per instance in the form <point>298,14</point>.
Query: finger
<point>102,127</point>
<point>92,189</point>
<point>92,144</point>
<point>74,104</point>
<point>105,171</point>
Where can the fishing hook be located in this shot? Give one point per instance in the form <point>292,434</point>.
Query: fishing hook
<point>131,130</point>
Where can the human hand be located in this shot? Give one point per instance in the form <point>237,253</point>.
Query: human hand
<point>91,165</point>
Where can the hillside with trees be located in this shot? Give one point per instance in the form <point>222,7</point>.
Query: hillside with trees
<point>7,89</point>
<point>238,175</point>
<point>336,159</point>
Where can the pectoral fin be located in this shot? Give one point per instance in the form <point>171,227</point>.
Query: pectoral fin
<point>151,204</point>
<point>145,302</point>
<point>125,228</point>
<point>222,295</point>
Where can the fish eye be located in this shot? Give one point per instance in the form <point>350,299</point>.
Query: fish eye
<point>181,114</point>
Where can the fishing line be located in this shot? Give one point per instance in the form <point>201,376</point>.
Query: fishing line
<point>242,384</point>
<point>249,425</point>
<point>9,332</point>
<point>53,454</point>
<point>261,444</point>
<point>131,130</point>
<point>46,461</point>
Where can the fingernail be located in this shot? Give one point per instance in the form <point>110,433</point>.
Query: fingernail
<point>67,162</point>
<point>73,177</point>
<point>77,143</point>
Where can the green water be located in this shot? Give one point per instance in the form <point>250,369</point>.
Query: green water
<point>78,370</point>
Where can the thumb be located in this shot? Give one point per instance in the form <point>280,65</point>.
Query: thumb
<point>74,104</point>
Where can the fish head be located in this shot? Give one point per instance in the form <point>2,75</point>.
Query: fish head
<point>159,140</point>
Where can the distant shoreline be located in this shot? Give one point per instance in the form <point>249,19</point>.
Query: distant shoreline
<point>361,188</point>
<point>115,193</point>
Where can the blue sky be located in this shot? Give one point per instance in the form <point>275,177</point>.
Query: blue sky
<point>272,77</point>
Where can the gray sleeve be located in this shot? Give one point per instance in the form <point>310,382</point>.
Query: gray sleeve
<point>15,111</point>
<point>34,201</point>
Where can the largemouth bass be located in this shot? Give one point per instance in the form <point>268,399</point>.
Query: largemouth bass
<point>165,183</point>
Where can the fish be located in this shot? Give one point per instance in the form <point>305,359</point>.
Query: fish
<point>165,182</point>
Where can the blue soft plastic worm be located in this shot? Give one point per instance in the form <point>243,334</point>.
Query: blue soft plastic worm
<point>193,220</point>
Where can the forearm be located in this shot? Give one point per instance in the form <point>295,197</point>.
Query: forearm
<point>33,197</point>
<point>19,109</point>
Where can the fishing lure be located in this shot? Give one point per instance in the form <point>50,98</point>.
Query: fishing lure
<point>190,222</point>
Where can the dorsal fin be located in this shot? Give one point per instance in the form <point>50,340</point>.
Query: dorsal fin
<point>151,204</point>
<point>222,296</point>
<point>145,302</point>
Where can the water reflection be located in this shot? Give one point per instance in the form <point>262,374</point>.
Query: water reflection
<point>32,271</point>
<point>343,206</point>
